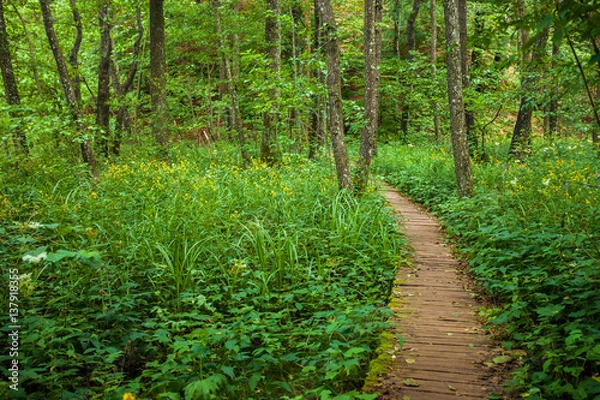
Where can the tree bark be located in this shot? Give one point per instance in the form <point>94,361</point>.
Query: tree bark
<point>298,47</point>
<point>235,115</point>
<point>66,83</point>
<point>433,58</point>
<point>460,148</point>
<point>317,131</point>
<point>268,147</point>
<point>74,56</point>
<point>103,96</point>
<point>10,85</point>
<point>410,44</point>
<point>588,90</point>
<point>32,56</point>
<point>123,120</point>
<point>396,11</point>
<point>551,120</point>
<point>334,85</point>
<point>368,144</point>
<point>158,81</point>
<point>522,132</point>
<point>464,63</point>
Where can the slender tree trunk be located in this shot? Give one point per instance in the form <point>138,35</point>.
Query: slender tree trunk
<point>368,144</point>
<point>396,12</point>
<point>410,44</point>
<point>433,58</point>
<point>74,56</point>
<point>464,63</point>
<point>317,131</point>
<point>233,89</point>
<point>588,90</point>
<point>522,132</point>
<point>32,56</point>
<point>10,85</point>
<point>460,148</point>
<point>66,83</point>
<point>334,84</point>
<point>103,96</point>
<point>268,147</point>
<point>158,81</point>
<point>235,114</point>
<point>123,122</point>
<point>551,119</point>
<point>298,47</point>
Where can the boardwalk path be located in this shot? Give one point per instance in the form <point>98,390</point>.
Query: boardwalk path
<point>444,345</point>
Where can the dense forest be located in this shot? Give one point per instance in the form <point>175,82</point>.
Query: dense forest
<point>188,189</point>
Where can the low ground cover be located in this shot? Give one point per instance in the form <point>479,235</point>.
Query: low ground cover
<point>193,280</point>
<point>531,234</point>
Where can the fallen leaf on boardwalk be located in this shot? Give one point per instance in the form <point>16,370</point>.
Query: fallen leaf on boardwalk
<point>410,360</point>
<point>450,334</point>
<point>502,359</point>
<point>406,398</point>
<point>411,382</point>
<point>471,345</point>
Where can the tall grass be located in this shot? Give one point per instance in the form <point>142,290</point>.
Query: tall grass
<point>196,279</point>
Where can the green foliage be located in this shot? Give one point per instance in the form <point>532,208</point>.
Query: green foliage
<point>195,280</point>
<point>531,236</point>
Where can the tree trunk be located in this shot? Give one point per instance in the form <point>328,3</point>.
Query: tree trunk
<point>460,148</point>
<point>298,47</point>
<point>551,119</point>
<point>334,85</point>
<point>368,144</point>
<point>522,132</point>
<point>74,56</point>
<point>410,44</point>
<point>10,85</point>
<point>123,122</point>
<point>464,63</point>
<point>103,96</point>
<point>66,83</point>
<point>317,131</point>
<point>158,81</point>
<point>235,117</point>
<point>32,56</point>
<point>433,58</point>
<point>268,147</point>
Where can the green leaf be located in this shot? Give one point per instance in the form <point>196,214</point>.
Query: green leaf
<point>228,371</point>
<point>59,255</point>
<point>502,359</point>
<point>353,351</point>
<point>550,311</point>
<point>204,388</point>
<point>411,383</point>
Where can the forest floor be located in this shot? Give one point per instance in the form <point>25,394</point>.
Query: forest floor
<point>445,351</point>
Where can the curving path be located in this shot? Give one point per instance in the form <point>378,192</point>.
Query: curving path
<point>444,347</point>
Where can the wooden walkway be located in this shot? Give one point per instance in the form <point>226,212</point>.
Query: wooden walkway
<point>444,347</point>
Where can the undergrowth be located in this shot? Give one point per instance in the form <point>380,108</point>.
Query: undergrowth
<point>531,234</point>
<point>195,280</point>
